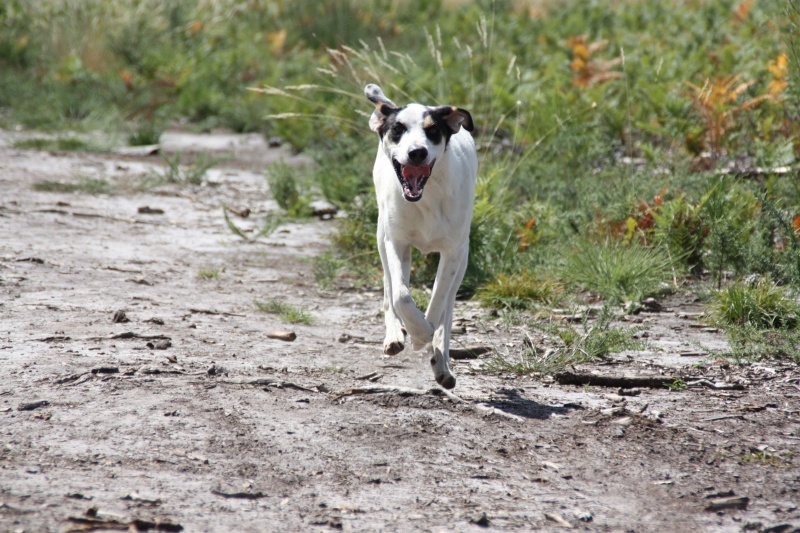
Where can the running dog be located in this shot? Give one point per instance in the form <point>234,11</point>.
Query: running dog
<point>426,150</point>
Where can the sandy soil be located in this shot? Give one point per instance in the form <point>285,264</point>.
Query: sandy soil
<point>188,416</point>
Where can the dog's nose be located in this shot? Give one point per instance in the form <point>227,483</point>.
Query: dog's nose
<point>417,155</point>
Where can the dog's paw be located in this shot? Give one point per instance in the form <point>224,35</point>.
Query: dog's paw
<point>393,347</point>
<point>447,381</point>
<point>441,370</point>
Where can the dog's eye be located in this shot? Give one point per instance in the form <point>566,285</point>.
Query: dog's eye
<point>434,134</point>
<point>398,129</point>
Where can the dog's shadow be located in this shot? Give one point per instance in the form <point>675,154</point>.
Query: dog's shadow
<point>513,403</point>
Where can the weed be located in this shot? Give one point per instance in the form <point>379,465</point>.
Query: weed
<point>84,186</point>
<point>209,273</point>
<point>175,173</point>
<point>749,344</point>
<point>678,384</point>
<point>763,458</point>
<point>63,144</point>
<point>145,135</point>
<point>618,272</point>
<point>572,346</point>
<point>271,223</point>
<point>761,305</point>
<point>520,291</point>
<point>283,184</point>
<point>326,268</point>
<point>287,312</point>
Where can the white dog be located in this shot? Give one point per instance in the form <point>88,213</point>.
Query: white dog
<point>422,149</point>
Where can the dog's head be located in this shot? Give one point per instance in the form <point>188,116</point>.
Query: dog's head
<point>414,137</point>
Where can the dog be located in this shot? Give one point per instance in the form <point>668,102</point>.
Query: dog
<point>425,174</point>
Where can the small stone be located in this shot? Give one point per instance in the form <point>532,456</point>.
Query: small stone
<point>321,208</point>
<point>480,520</point>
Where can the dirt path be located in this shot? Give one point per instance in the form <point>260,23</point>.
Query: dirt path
<point>189,416</point>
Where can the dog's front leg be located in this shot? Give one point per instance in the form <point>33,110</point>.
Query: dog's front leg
<point>450,272</point>
<point>397,267</point>
<point>394,342</point>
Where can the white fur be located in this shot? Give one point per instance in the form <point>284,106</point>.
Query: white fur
<point>438,222</point>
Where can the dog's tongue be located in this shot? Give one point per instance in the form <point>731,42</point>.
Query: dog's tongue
<point>415,176</point>
<point>420,171</point>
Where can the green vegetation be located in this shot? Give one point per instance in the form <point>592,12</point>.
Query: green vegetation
<point>209,273</point>
<point>592,342</point>
<point>627,148</point>
<point>62,144</point>
<point>283,184</point>
<point>761,305</point>
<point>619,273</point>
<point>145,135</point>
<point>83,185</point>
<point>760,317</point>
<point>175,173</point>
<point>287,312</point>
<point>677,385</point>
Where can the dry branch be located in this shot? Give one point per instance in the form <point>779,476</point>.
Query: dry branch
<point>625,382</point>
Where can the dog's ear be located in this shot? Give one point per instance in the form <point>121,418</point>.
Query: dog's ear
<point>454,117</point>
<point>383,106</point>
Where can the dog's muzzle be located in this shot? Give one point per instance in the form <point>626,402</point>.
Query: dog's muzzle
<point>412,179</point>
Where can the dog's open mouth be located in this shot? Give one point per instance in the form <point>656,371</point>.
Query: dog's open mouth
<point>412,179</point>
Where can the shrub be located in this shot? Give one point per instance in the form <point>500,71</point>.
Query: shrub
<point>761,305</point>
<point>617,272</point>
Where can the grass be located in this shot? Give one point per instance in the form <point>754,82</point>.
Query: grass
<point>209,273</point>
<point>60,144</point>
<point>145,135</point>
<point>84,185</point>
<point>766,458</point>
<point>271,222</point>
<point>619,273</point>
<point>677,385</point>
<point>570,346</point>
<point>760,319</point>
<point>176,173</point>
<point>520,291</point>
<point>759,305</point>
<point>284,185</point>
<point>287,312</point>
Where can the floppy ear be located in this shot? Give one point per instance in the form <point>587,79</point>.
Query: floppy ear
<point>455,118</point>
<point>383,106</point>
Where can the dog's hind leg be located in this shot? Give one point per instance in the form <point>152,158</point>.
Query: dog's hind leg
<point>440,311</point>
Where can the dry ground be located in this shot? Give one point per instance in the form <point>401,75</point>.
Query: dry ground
<point>189,417</point>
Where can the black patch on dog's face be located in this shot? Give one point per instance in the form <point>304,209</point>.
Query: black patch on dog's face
<point>436,128</point>
<point>391,126</point>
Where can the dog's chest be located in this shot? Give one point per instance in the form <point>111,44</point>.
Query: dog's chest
<point>430,226</point>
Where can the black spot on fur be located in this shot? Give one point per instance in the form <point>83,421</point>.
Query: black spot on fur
<point>434,133</point>
<point>439,130</point>
<point>389,123</point>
